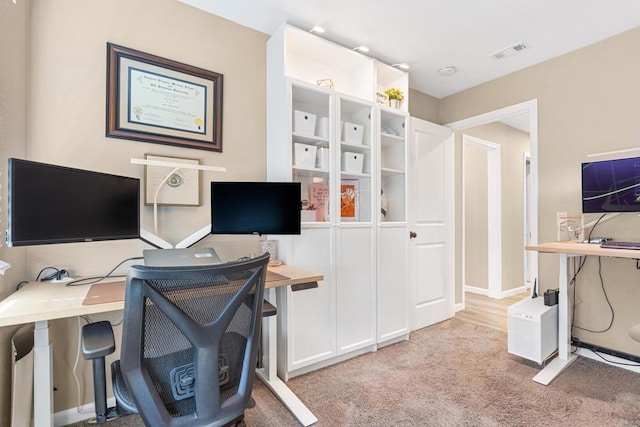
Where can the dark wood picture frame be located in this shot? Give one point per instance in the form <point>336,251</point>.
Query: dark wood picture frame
<point>154,99</point>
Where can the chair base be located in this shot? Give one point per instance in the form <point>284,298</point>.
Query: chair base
<point>238,422</point>
<point>112,414</point>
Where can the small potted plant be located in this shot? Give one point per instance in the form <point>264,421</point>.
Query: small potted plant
<point>395,96</point>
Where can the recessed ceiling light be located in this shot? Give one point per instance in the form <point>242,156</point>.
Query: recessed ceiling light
<point>362,49</point>
<point>402,65</point>
<point>317,29</point>
<point>447,71</point>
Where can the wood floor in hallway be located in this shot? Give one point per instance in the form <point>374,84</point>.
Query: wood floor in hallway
<point>491,312</point>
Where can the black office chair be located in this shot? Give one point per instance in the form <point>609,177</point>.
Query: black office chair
<point>189,344</point>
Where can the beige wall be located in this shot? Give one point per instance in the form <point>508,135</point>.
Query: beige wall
<point>63,122</point>
<point>513,144</point>
<point>14,48</point>
<point>587,103</point>
<point>476,267</point>
<point>423,106</point>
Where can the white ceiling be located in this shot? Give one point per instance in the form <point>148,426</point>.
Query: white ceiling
<point>431,34</point>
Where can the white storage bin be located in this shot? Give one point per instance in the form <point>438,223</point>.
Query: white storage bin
<point>304,156</point>
<point>352,162</point>
<point>322,158</point>
<point>304,123</point>
<point>352,133</point>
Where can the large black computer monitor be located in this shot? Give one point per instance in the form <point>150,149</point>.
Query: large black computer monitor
<point>56,204</point>
<point>611,186</point>
<point>255,208</point>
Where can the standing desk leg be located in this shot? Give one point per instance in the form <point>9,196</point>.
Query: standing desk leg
<point>565,358</point>
<point>268,373</point>
<point>42,376</point>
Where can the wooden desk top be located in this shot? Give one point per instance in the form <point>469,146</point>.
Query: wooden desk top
<point>575,248</point>
<point>39,301</point>
<point>295,276</point>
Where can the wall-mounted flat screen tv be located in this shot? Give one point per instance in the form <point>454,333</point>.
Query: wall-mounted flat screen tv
<point>56,204</point>
<point>255,208</point>
<point>611,186</point>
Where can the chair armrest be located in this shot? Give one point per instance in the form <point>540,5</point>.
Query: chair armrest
<point>97,340</point>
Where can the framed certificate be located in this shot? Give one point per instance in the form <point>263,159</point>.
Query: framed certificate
<point>154,99</point>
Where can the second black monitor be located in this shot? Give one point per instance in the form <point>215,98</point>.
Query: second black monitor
<point>255,208</point>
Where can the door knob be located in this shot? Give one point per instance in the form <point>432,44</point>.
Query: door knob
<point>413,234</point>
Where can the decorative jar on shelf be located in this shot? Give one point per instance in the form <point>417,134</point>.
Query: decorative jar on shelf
<point>395,103</point>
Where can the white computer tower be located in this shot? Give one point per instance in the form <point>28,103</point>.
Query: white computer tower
<point>533,329</point>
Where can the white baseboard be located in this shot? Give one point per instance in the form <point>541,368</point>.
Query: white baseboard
<point>329,362</point>
<point>459,307</point>
<point>503,294</point>
<point>476,290</point>
<point>75,415</point>
<point>514,291</point>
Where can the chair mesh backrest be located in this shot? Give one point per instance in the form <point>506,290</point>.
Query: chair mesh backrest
<point>194,325</point>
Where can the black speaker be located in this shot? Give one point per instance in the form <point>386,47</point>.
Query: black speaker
<point>551,297</point>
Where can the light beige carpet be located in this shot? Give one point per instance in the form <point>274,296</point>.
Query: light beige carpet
<point>452,374</point>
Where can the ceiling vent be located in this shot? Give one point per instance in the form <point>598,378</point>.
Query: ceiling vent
<point>508,51</point>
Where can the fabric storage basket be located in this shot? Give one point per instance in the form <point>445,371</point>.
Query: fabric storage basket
<point>352,162</point>
<point>352,133</point>
<point>304,156</point>
<point>304,123</point>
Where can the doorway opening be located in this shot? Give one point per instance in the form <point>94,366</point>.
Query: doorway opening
<point>523,113</point>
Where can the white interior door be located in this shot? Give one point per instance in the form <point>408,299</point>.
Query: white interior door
<point>431,223</point>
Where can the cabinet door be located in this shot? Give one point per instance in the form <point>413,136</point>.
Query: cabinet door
<point>393,166</point>
<point>311,313</point>
<point>356,160</point>
<point>311,135</point>
<point>393,300</point>
<point>393,285</point>
<point>355,288</point>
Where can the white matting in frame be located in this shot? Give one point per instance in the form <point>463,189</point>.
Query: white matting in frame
<point>181,188</point>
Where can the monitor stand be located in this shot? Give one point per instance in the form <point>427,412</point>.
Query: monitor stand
<point>195,237</point>
<point>153,240</point>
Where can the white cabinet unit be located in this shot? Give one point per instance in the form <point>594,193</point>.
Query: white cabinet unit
<point>322,102</point>
<point>392,233</point>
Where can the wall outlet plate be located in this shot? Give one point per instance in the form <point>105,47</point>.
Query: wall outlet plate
<point>559,216</point>
<point>569,228</point>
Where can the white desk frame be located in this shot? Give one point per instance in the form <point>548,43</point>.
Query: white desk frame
<point>566,250</point>
<point>269,372</point>
<point>40,302</point>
